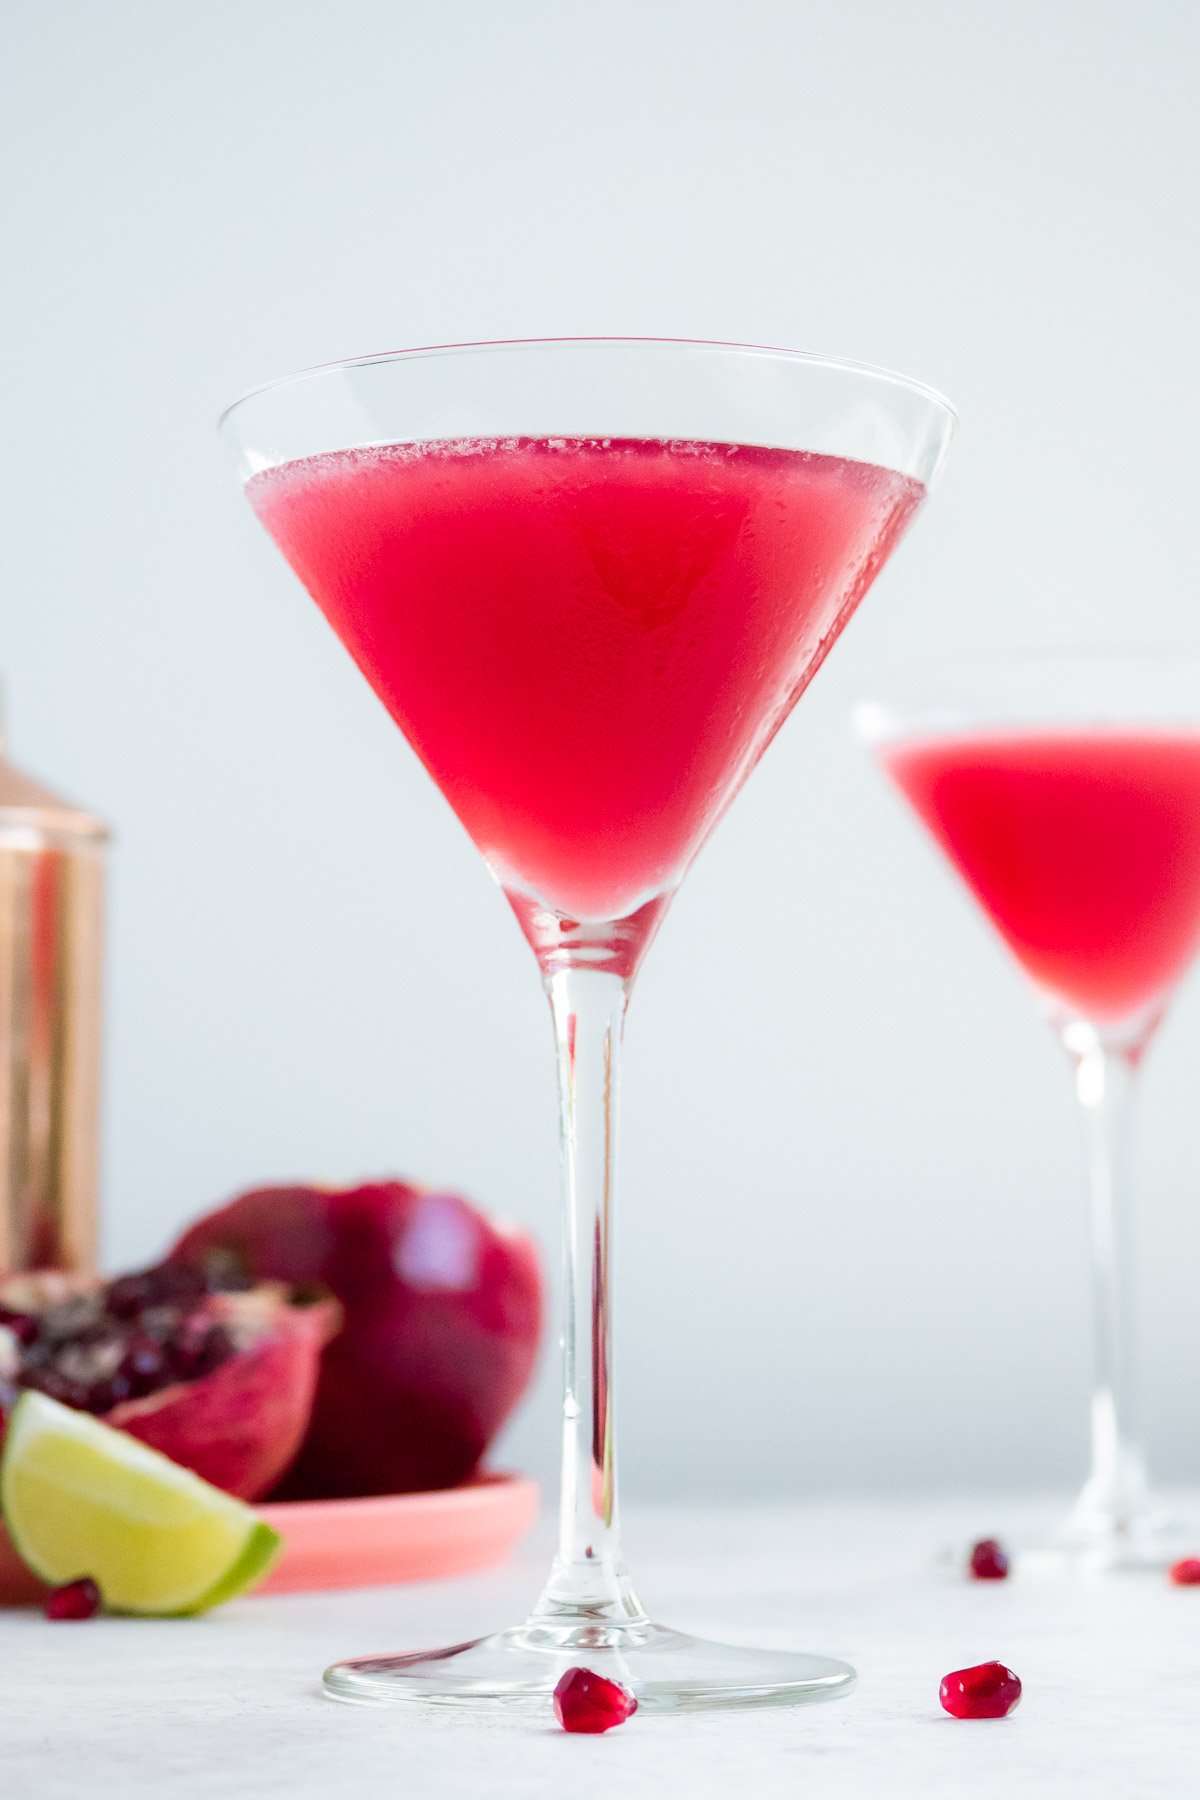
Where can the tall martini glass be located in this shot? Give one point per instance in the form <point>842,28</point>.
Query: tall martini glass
<point>1065,792</point>
<point>589,579</point>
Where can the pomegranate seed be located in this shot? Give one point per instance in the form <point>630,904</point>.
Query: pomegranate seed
<point>102,1396</point>
<point>24,1326</point>
<point>988,1691</point>
<point>587,1702</point>
<point>1186,1572</point>
<point>199,1346</point>
<point>59,1387</point>
<point>163,1285</point>
<point>144,1367</point>
<point>989,1560</point>
<point>76,1600</point>
<point>127,1295</point>
<point>172,1283</point>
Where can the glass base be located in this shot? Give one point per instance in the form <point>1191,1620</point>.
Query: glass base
<point>520,1668</point>
<point>1093,1540</point>
<point>1151,1543</point>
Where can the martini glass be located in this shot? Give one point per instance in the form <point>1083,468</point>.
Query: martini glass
<point>589,579</point>
<point>1065,791</point>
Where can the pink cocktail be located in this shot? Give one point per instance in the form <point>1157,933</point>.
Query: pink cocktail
<point>1065,792</point>
<point>588,644</point>
<point>1083,848</point>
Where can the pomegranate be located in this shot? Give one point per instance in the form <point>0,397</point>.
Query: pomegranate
<point>74,1600</point>
<point>584,1701</point>
<point>441,1310</point>
<point>986,1691</point>
<point>988,1561</point>
<point>222,1382</point>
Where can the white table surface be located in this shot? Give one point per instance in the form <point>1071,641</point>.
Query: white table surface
<point>229,1705</point>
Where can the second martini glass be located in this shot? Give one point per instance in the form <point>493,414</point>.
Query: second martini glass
<point>589,579</point>
<point>1065,791</point>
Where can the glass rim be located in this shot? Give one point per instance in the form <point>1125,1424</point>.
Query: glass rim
<point>902,700</point>
<point>1165,652</point>
<point>474,347</point>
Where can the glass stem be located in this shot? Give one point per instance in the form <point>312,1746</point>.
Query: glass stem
<point>1114,1499</point>
<point>588,1581</point>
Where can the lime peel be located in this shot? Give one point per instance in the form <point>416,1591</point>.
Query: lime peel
<point>79,1497</point>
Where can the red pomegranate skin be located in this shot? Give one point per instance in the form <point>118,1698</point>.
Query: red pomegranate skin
<point>241,1425</point>
<point>442,1313</point>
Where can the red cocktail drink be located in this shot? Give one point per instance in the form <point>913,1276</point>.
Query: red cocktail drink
<point>1083,847</point>
<point>588,643</point>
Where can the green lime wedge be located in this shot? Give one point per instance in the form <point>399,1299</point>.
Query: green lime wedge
<point>82,1499</point>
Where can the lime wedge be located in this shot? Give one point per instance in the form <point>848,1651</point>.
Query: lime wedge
<point>82,1499</point>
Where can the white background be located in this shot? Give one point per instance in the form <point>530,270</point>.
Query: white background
<point>852,1232</point>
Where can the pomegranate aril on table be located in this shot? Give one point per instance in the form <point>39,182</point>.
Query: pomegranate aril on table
<point>1186,1572</point>
<point>74,1600</point>
<point>986,1691</point>
<point>988,1560</point>
<point>586,1702</point>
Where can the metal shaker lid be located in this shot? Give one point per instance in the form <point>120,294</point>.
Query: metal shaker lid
<point>26,805</point>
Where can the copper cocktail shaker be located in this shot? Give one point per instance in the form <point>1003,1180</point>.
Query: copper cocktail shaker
<point>51,911</point>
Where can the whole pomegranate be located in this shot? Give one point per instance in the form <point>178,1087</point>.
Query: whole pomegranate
<point>222,1382</point>
<point>441,1310</point>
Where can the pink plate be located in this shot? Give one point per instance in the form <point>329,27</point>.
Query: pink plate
<point>368,1543</point>
<point>398,1537</point>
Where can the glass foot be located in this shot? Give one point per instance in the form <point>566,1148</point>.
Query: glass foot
<point>1093,1541</point>
<point>1151,1542</point>
<point>668,1671</point>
